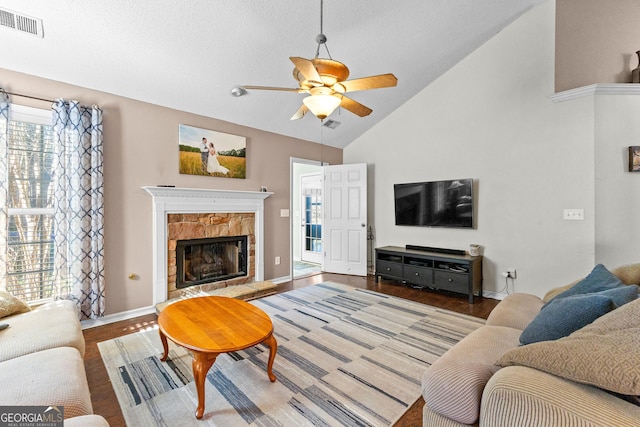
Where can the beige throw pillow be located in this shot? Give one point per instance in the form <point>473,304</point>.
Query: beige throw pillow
<point>605,353</point>
<point>11,305</point>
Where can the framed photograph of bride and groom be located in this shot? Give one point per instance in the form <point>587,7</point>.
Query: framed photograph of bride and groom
<point>634,159</point>
<point>210,153</point>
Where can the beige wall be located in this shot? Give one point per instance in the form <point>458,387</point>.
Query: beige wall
<point>596,41</point>
<point>141,148</point>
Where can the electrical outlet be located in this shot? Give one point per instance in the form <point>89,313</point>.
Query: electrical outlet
<point>573,214</point>
<point>277,260</point>
<point>510,273</point>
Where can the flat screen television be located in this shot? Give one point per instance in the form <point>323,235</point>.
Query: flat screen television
<point>435,203</point>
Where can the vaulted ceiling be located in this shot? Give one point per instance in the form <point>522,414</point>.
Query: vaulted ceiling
<point>189,55</point>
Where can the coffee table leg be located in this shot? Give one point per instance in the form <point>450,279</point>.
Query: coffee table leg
<point>165,346</point>
<point>201,364</point>
<point>273,348</point>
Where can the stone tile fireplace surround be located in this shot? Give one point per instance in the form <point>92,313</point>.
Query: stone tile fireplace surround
<point>189,213</point>
<point>202,226</point>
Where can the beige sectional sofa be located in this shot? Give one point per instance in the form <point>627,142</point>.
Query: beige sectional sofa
<point>589,378</point>
<point>41,360</point>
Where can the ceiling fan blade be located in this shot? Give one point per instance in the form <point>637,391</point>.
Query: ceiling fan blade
<point>300,113</point>
<point>284,89</point>
<point>355,107</point>
<point>307,69</point>
<point>372,82</point>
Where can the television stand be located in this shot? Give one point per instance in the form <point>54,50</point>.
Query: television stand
<point>431,270</point>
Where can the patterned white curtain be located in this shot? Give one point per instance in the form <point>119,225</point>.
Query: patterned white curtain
<point>78,205</point>
<point>4,181</point>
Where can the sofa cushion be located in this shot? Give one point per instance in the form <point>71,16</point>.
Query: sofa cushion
<point>604,354</point>
<point>10,305</point>
<point>629,274</point>
<point>564,315</point>
<point>521,396</point>
<point>515,311</point>
<point>53,377</point>
<point>51,325</point>
<point>599,279</point>
<point>86,421</point>
<point>453,385</point>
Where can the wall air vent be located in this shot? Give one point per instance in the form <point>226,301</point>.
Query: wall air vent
<point>331,124</point>
<point>20,22</point>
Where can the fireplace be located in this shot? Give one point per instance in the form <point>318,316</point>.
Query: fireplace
<point>210,260</point>
<point>191,213</point>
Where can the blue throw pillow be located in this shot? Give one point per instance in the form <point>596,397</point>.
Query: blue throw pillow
<point>600,279</point>
<point>562,316</point>
<point>620,295</point>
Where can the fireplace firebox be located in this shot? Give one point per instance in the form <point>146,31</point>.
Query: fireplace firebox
<point>208,260</point>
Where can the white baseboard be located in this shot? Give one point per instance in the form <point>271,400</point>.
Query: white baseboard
<point>494,295</point>
<point>126,315</point>
<point>279,280</point>
<point>137,312</point>
<point>117,317</point>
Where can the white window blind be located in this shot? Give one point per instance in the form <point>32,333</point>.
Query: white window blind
<point>30,210</point>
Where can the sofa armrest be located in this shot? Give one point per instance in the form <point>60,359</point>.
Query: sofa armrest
<point>519,395</point>
<point>51,325</point>
<point>452,386</point>
<point>515,311</point>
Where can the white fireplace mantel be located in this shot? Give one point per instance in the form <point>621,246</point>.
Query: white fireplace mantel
<point>168,200</point>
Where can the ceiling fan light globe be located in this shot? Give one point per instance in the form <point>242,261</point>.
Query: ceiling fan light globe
<point>321,105</point>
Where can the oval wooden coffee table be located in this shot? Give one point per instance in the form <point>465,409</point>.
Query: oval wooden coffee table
<point>212,325</point>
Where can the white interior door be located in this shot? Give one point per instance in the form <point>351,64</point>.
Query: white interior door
<point>345,219</point>
<point>311,218</point>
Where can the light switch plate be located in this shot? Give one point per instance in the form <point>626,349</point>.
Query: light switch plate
<point>573,214</point>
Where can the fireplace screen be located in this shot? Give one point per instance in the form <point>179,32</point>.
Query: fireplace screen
<point>209,260</point>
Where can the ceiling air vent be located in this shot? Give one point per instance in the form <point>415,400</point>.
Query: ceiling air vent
<point>331,124</point>
<point>20,22</point>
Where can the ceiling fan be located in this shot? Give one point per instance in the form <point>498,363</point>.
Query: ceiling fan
<point>325,80</point>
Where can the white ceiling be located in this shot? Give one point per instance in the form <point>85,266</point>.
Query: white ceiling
<point>188,55</point>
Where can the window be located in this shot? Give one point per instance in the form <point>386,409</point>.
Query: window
<point>30,204</point>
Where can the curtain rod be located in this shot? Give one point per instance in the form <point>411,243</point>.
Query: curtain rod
<point>27,96</point>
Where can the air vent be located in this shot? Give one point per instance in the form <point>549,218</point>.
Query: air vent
<point>331,124</point>
<point>19,22</point>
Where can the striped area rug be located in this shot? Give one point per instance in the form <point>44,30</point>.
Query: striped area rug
<point>346,357</point>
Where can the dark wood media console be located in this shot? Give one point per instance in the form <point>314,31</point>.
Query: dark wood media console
<point>433,270</point>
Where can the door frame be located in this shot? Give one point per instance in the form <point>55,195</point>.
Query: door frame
<point>294,204</point>
<point>310,180</point>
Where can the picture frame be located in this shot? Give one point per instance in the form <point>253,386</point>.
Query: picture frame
<point>208,152</point>
<point>634,158</point>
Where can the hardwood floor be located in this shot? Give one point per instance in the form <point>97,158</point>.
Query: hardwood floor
<point>104,399</point>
